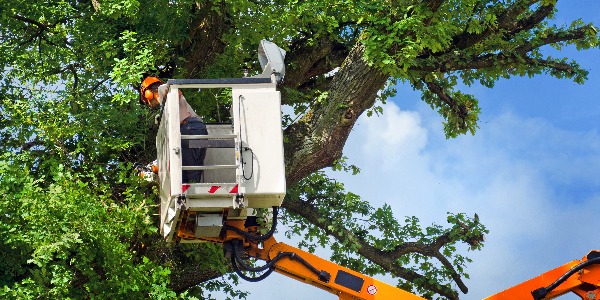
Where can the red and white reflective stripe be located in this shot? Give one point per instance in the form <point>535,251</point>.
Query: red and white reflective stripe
<point>210,189</point>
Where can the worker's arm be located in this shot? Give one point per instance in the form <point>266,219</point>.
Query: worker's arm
<point>581,277</point>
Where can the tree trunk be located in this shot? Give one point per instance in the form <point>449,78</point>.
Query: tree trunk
<point>317,140</point>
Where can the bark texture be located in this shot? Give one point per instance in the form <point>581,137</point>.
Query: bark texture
<point>317,140</point>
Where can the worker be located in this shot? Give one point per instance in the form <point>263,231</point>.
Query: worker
<point>153,92</point>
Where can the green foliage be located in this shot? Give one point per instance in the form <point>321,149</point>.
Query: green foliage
<point>459,118</point>
<point>72,239</point>
<point>73,216</point>
<point>342,165</point>
<point>412,43</point>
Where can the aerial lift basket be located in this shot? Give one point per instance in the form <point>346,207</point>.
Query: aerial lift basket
<point>244,164</point>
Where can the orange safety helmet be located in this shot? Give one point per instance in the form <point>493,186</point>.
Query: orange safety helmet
<point>147,94</point>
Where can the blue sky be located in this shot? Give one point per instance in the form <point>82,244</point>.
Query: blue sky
<point>531,172</point>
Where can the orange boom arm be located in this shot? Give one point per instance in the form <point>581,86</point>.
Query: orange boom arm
<point>311,269</point>
<point>241,242</point>
<point>581,277</point>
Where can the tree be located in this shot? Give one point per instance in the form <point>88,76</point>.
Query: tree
<point>77,224</point>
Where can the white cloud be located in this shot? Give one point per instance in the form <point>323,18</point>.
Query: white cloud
<point>507,174</point>
<point>391,136</point>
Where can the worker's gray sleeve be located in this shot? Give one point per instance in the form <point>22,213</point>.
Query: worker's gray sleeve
<point>163,89</point>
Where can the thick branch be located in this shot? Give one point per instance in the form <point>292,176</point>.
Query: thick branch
<point>385,259</point>
<point>510,14</point>
<point>31,21</point>
<point>439,91</point>
<point>317,140</point>
<point>306,60</point>
<point>204,43</point>
<point>434,5</point>
<point>528,23</point>
<point>41,28</point>
<point>506,21</point>
<point>461,110</point>
<point>481,61</point>
<point>553,38</point>
<point>554,65</point>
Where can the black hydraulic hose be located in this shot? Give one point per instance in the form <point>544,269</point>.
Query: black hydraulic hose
<point>269,266</point>
<point>271,263</point>
<point>248,278</point>
<point>240,261</point>
<point>322,275</point>
<point>542,292</point>
<point>257,238</point>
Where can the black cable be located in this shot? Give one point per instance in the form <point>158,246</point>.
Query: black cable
<point>241,143</point>
<point>251,164</point>
<point>257,238</point>
<point>270,263</point>
<point>543,291</point>
<point>218,108</point>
